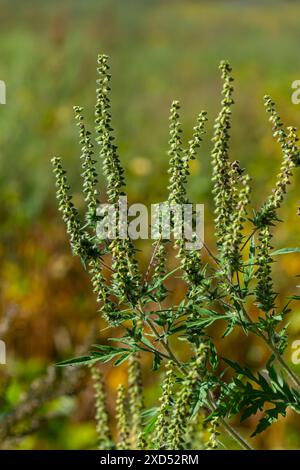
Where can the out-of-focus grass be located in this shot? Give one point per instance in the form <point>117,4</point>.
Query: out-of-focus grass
<point>160,51</point>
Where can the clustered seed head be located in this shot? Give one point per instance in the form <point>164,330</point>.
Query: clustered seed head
<point>122,419</point>
<point>108,308</point>
<point>182,408</point>
<point>177,165</point>
<point>265,294</point>
<point>220,158</point>
<point>102,426</point>
<point>90,177</point>
<point>179,171</point>
<point>267,215</point>
<point>112,168</point>
<point>231,186</point>
<point>288,141</point>
<point>162,427</point>
<point>196,139</point>
<point>159,262</point>
<point>179,158</point>
<point>191,259</point>
<point>68,210</point>
<point>212,429</point>
<point>80,241</point>
<point>142,443</point>
<point>136,404</point>
<point>231,249</point>
<point>191,265</point>
<point>125,278</point>
<point>291,153</point>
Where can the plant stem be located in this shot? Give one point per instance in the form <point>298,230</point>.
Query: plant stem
<point>211,254</point>
<point>166,345</point>
<point>152,259</point>
<point>274,350</point>
<point>249,238</point>
<point>154,351</point>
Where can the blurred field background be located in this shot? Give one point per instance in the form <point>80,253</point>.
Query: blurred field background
<point>160,51</point>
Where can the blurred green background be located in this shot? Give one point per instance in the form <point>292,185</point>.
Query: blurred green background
<point>160,50</point>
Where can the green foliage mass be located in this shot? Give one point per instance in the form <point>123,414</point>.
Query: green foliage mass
<point>237,277</point>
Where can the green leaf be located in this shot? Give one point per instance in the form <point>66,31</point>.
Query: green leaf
<point>207,318</point>
<point>156,361</point>
<point>284,251</point>
<point>230,326</point>
<point>241,370</point>
<point>269,418</point>
<point>150,425</point>
<point>151,415</point>
<point>147,342</point>
<point>161,280</point>
<point>294,297</point>
<point>213,357</point>
<point>150,412</point>
<point>107,349</point>
<point>122,358</point>
<point>79,361</point>
<point>200,398</point>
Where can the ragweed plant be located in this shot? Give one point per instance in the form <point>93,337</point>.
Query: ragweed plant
<point>196,400</point>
